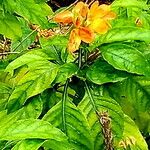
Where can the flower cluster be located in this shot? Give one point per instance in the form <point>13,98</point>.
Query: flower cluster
<point>86,20</point>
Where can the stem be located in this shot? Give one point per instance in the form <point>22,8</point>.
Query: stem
<point>5,53</point>
<point>90,96</point>
<point>25,39</point>
<point>103,120</point>
<point>80,58</point>
<point>64,98</point>
<point>64,9</point>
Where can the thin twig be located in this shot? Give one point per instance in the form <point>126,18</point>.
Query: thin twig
<point>91,2</point>
<point>25,38</point>
<point>6,53</point>
<point>64,9</point>
<point>5,44</point>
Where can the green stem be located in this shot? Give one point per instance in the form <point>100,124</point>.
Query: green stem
<point>5,53</point>
<point>25,39</point>
<point>64,98</point>
<point>90,96</point>
<point>80,58</point>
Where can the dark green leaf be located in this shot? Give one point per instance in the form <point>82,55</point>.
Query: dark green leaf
<point>66,71</point>
<point>127,58</point>
<point>101,72</point>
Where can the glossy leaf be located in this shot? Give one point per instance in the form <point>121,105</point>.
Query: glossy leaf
<point>101,72</point>
<point>76,126</point>
<point>126,57</point>
<point>10,26</point>
<point>33,109</point>
<point>63,145</point>
<point>33,12</point>
<point>93,104</point>
<point>32,59</point>
<point>31,84</point>
<point>8,120</point>
<point>31,144</point>
<point>122,34</point>
<point>133,95</point>
<point>66,71</point>
<point>30,128</point>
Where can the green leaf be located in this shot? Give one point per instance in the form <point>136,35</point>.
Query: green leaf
<point>31,144</point>
<point>28,37</point>
<point>9,119</point>
<point>58,45</point>
<point>93,104</point>
<point>132,138</point>
<point>122,34</point>
<point>75,124</point>
<point>56,145</point>
<point>66,71</point>
<point>125,57</point>
<point>31,59</point>
<point>32,83</point>
<point>10,26</point>
<point>33,12</point>
<point>101,72</point>
<point>8,5</point>
<point>128,3</point>
<point>31,128</point>
<point>5,91</point>
<point>133,96</point>
<point>127,33</point>
<point>35,144</point>
<point>33,109</point>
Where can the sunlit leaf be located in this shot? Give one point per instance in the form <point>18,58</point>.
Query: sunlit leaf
<point>126,57</point>
<point>93,104</point>
<point>132,138</point>
<point>32,83</point>
<point>31,144</point>
<point>74,122</point>
<point>122,34</point>
<point>133,95</point>
<point>10,26</point>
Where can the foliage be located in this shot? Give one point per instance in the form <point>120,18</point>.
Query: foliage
<point>93,97</point>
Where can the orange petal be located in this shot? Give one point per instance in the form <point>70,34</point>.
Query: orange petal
<point>100,26</point>
<point>86,34</point>
<point>80,9</point>
<point>64,17</point>
<point>102,11</point>
<point>74,40</point>
<point>110,15</point>
<point>78,21</point>
<point>94,7</point>
<point>94,11</point>
<point>106,12</point>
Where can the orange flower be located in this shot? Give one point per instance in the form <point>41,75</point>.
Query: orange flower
<point>87,21</point>
<point>65,17</point>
